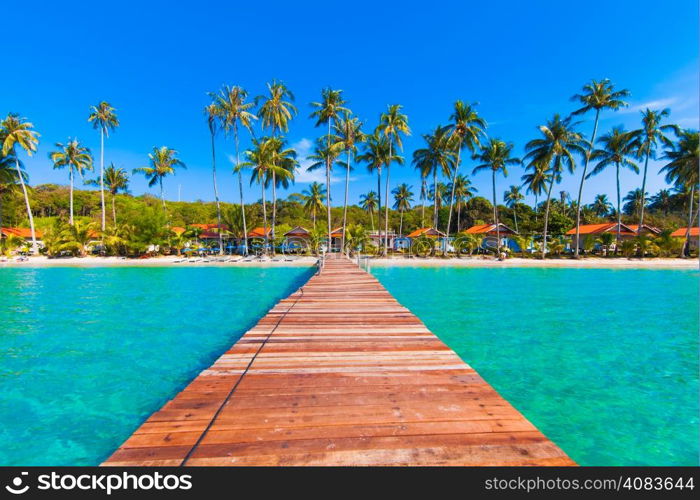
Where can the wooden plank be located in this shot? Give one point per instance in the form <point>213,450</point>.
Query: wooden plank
<point>338,373</point>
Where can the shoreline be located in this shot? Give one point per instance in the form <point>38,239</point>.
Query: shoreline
<point>307,261</point>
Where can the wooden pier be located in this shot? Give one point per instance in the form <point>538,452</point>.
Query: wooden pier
<point>338,373</point>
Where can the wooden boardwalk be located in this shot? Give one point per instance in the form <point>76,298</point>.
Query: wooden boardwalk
<point>338,373</point>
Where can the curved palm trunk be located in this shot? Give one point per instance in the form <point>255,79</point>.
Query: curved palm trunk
<point>435,198</point>
<point>379,204</point>
<point>536,209</point>
<point>546,219</point>
<point>264,217</point>
<point>685,252</point>
<point>401,224</point>
<point>29,208</point>
<point>274,210</point>
<point>70,174</point>
<point>452,198</point>
<point>495,215</point>
<point>515,216</point>
<point>162,196</point>
<point>371,219</point>
<point>240,189</point>
<point>102,176</point>
<point>459,217</point>
<point>583,178</point>
<point>345,204</point>
<point>619,213</point>
<point>422,210</point>
<point>642,201</point>
<point>216,194</point>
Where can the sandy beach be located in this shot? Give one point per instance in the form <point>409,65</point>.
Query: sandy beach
<point>281,261</point>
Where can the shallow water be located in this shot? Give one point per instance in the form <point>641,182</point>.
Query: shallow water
<point>604,362</point>
<point>86,354</point>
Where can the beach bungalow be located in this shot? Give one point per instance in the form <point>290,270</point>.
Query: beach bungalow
<point>297,239</point>
<point>259,232</point>
<point>377,237</point>
<point>490,232</point>
<point>694,234</point>
<point>430,232</point>
<point>22,232</point>
<point>595,230</point>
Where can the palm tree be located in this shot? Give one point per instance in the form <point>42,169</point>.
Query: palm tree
<point>117,180</point>
<point>682,171</point>
<point>276,112</point>
<point>369,203</point>
<point>536,181</point>
<point>376,156</point>
<point>438,193</point>
<point>77,158</point>
<point>601,206</point>
<point>436,157</point>
<point>634,201</point>
<point>327,111</point>
<point>596,95</point>
<point>234,111</point>
<point>617,147</point>
<point>16,131</point>
<point>283,164</point>
<point>423,196</point>
<point>403,197</point>
<point>163,162</point>
<point>648,138</point>
<point>259,160</point>
<point>348,130</point>
<point>313,198</point>
<point>463,190</point>
<point>212,114</point>
<point>466,131</point>
<point>512,197</point>
<point>554,152</point>
<point>9,178</point>
<point>324,156</point>
<point>662,201</point>
<point>103,117</point>
<point>496,157</point>
<point>392,124</point>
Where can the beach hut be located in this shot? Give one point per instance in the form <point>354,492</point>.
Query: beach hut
<point>490,232</point>
<point>22,232</point>
<point>694,234</point>
<point>430,232</point>
<point>595,230</point>
<point>646,229</point>
<point>296,239</point>
<point>259,232</point>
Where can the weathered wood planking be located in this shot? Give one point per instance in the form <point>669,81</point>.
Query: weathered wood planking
<point>338,373</point>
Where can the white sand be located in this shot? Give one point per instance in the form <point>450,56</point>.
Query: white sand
<point>588,262</point>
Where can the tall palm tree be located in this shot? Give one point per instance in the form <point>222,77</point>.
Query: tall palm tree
<point>597,95</point>
<point>392,124</point>
<point>348,130</point>
<point>403,197</point>
<point>234,111</point>
<point>324,156</point>
<point>682,171</point>
<point>436,157</point>
<point>496,157</point>
<point>648,139</point>
<point>283,164</point>
<point>78,160</point>
<point>116,180</point>
<point>313,198</point>
<point>258,159</point>
<point>617,147</point>
<point>512,197</point>
<point>212,113</point>
<point>162,162</point>
<point>466,131</point>
<point>376,156</point>
<point>369,203</point>
<point>103,117</point>
<point>327,112</point>
<point>276,111</point>
<point>423,196</point>
<point>16,131</point>
<point>554,152</point>
<point>463,190</point>
<point>438,193</point>
<point>536,181</point>
<point>601,206</point>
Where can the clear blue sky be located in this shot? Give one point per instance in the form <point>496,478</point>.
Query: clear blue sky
<point>155,62</point>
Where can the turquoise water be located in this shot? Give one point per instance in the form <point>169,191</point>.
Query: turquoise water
<point>87,354</point>
<point>604,362</point>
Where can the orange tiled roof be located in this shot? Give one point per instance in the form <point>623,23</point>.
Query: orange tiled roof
<point>209,227</point>
<point>488,228</point>
<point>425,231</point>
<point>680,233</point>
<point>22,232</point>
<point>601,228</point>
<point>296,231</point>
<point>651,229</point>
<point>258,232</point>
